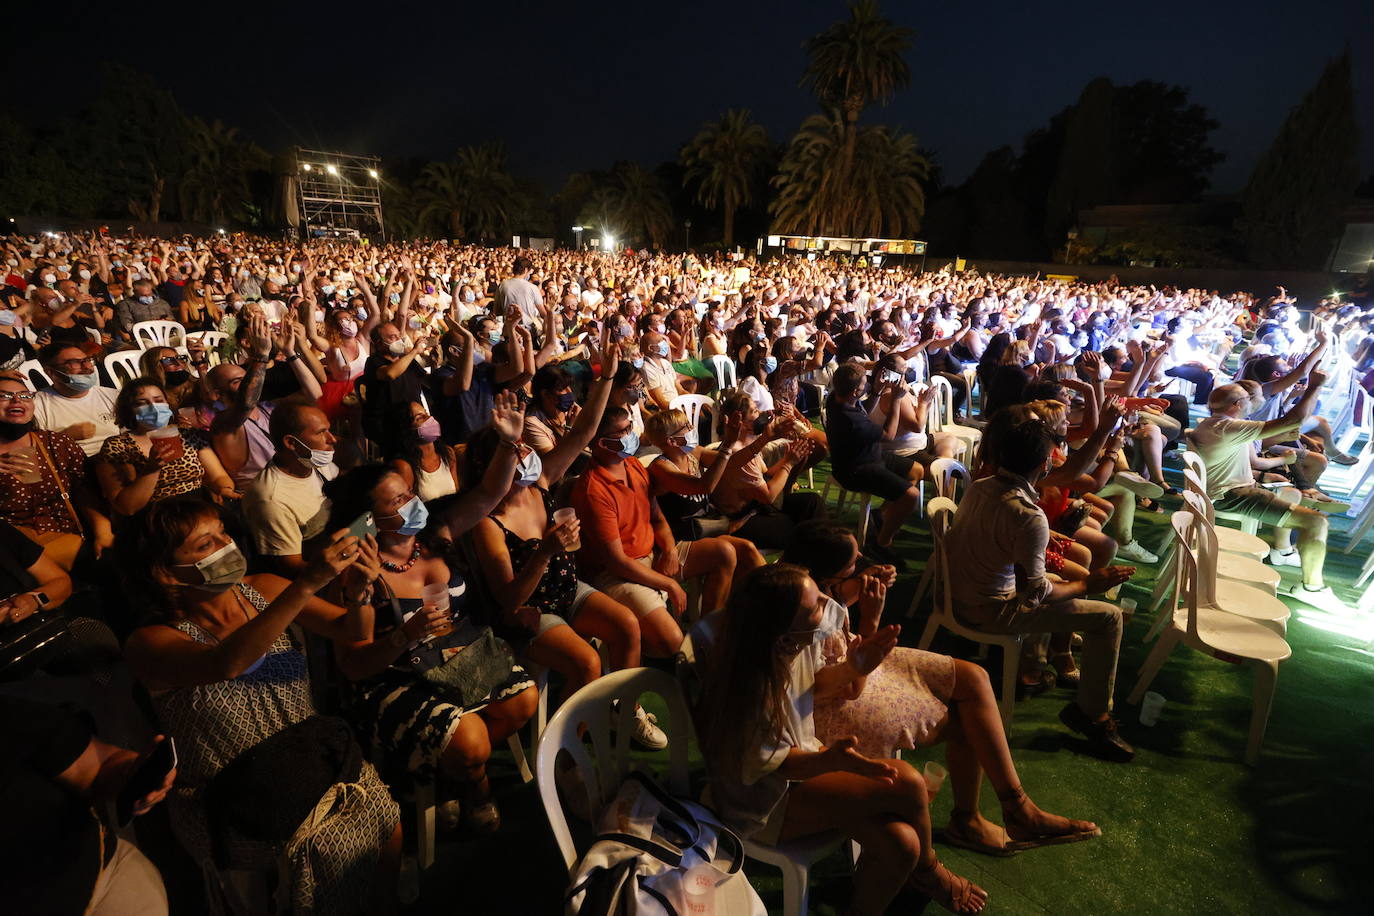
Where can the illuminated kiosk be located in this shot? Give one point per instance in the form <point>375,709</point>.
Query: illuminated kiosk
<point>876,250</point>
<point>337,195</point>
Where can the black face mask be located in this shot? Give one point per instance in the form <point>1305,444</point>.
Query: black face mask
<point>177,377</point>
<point>12,431</point>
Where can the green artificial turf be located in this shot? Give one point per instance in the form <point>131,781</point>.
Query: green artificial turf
<point>1187,826</point>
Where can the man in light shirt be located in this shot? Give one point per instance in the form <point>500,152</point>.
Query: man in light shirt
<point>285,505</point>
<point>76,404</point>
<point>518,291</point>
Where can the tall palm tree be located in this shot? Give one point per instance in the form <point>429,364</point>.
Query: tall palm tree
<point>722,161</point>
<point>856,62</point>
<point>215,184</point>
<point>880,193</point>
<point>472,193</point>
<point>632,201</point>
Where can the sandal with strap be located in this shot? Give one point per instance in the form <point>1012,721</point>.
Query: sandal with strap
<point>954,893</point>
<point>1016,801</point>
<point>955,836</point>
<point>1065,671</point>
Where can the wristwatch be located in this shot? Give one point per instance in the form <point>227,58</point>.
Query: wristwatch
<point>42,598</point>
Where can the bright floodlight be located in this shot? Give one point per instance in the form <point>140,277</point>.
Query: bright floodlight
<point>306,166</point>
<point>220,231</point>
<point>608,241</point>
<point>373,173</point>
<point>579,229</point>
<point>331,170</point>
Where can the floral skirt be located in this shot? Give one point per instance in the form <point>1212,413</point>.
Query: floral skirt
<point>904,704</point>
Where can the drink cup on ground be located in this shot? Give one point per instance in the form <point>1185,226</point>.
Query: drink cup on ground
<point>1150,708</point>
<point>1128,606</point>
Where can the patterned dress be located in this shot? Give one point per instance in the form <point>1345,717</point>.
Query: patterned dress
<point>184,475</point>
<point>905,701</point>
<point>330,871</point>
<point>402,716</point>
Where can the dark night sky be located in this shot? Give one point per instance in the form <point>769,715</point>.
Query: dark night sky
<point>571,86</point>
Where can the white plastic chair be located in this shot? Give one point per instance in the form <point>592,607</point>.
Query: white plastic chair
<point>1236,565</point>
<point>1192,461</point>
<point>122,366</point>
<point>863,500</point>
<point>724,368</point>
<point>1208,628</point>
<point>948,476</point>
<point>1237,595</point>
<point>31,367</point>
<point>213,341</point>
<point>941,510</point>
<point>159,333</point>
<point>942,421</point>
<point>692,405</point>
<point>537,724</point>
<point>602,775</point>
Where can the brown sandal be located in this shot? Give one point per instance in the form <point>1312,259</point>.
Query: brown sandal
<point>953,892</point>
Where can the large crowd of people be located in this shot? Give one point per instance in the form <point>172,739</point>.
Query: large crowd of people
<point>363,497</point>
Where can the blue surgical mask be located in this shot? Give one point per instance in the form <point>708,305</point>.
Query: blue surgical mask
<point>81,382</point>
<point>529,470</point>
<point>637,362</point>
<point>413,515</point>
<point>770,364</point>
<point>662,348</point>
<point>8,318</point>
<point>692,441</point>
<point>566,401</point>
<point>629,444</point>
<point>146,300</point>
<point>494,338</point>
<point>153,416</point>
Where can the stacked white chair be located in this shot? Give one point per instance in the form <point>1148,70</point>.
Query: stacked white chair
<point>159,333</point>
<point>122,366</point>
<point>724,369</point>
<point>1212,628</point>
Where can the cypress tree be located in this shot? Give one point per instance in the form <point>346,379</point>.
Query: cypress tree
<point>1295,201</point>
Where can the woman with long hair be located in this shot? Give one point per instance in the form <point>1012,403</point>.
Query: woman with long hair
<point>771,777</point>
<point>426,464</point>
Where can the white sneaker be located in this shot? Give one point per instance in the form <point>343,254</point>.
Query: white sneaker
<point>646,734</point>
<point>1135,551</point>
<point>1284,558</point>
<point>1323,599</point>
<point>1129,480</point>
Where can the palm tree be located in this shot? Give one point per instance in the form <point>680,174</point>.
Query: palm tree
<point>216,181</point>
<point>630,202</point>
<point>472,192</point>
<point>880,193</point>
<point>856,62</point>
<point>722,160</point>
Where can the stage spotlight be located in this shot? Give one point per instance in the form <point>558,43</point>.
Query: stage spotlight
<point>331,170</point>
<point>373,173</point>
<point>608,242</point>
<point>306,166</point>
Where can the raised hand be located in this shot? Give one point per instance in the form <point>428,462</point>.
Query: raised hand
<point>341,553</point>
<point>508,416</point>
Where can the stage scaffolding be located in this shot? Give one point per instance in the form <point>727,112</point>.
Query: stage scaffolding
<point>338,194</point>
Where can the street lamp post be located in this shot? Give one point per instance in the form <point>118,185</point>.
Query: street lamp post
<point>578,230</point>
<point>688,224</point>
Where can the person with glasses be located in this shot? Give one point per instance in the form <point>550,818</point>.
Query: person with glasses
<point>76,403</point>
<point>41,476</point>
<point>172,372</point>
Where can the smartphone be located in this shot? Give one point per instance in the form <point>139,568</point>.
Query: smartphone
<point>147,778</point>
<point>363,525</point>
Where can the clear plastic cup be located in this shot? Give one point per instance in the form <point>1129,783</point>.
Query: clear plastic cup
<point>435,595</point>
<point>1150,708</point>
<point>568,514</point>
<point>1128,607</point>
<point>699,891</point>
<point>934,775</point>
<point>30,455</point>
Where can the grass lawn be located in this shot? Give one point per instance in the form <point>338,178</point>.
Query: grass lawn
<point>1187,827</point>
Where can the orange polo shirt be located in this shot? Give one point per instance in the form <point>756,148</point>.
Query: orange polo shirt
<point>612,511</point>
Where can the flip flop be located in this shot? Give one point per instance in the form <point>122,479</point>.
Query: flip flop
<point>952,837</point>
<point>1057,839</point>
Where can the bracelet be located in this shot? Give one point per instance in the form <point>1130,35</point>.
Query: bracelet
<point>508,443</point>
<point>293,356</point>
<point>261,359</point>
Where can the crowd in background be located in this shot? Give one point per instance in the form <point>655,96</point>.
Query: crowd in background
<point>400,483</point>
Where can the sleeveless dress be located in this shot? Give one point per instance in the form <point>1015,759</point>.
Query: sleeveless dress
<point>402,716</point>
<point>905,701</point>
<point>332,871</point>
<point>556,593</point>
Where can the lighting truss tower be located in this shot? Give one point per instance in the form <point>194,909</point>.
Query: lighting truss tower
<point>338,193</point>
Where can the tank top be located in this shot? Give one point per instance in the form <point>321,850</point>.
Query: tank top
<point>433,484</point>
<point>902,441</point>
<point>558,586</point>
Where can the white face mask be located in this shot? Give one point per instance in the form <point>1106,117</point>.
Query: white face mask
<point>319,457</point>
<point>85,274</point>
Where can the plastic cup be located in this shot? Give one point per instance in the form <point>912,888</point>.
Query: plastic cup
<point>1150,708</point>
<point>1128,606</point>
<point>699,891</point>
<point>568,514</point>
<point>934,775</point>
<point>436,595</point>
<point>30,454</point>
<point>172,436</point>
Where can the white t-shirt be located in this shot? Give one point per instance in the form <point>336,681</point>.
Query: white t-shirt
<point>285,511</point>
<point>758,392</point>
<point>522,293</point>
<point>53,411</point>
<point>658,373</point>
<point>1225,447</point>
